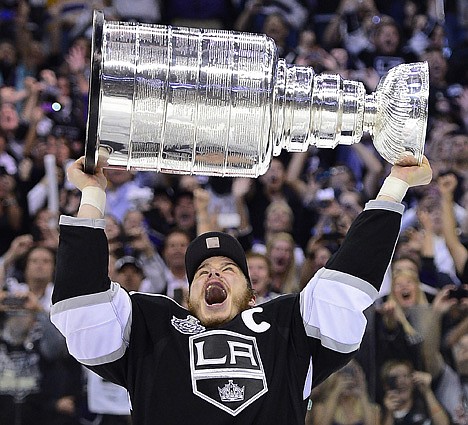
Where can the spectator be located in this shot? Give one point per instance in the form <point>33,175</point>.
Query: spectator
<point>284,273</point>
<point>317,256</point>
<point>351,25</point>
<point>137,243</point>
<point>423,267</point>
<point>185,213</point>
<point>439,104</point>
<point>14,129</point>
<point>276,27</point>
<point>254,13</point>
<point>114,234</point>
<point>10,211</point>
<point>344,399</point>
<point>44,229</point>
<point>408,397</point>
<point>310,53</point>
<point>398,335</point>
<point>129,272</point>
<point>33,353</point>
<point>447,362</point>
<point>387,49</point>
<point>34,384</point>
<point>119,192</point>
<point>447,185</point>
<point>107,400</point>
<point>268,187</point>
<point>279,218</point>
<point>175,245</point>
<point>38,274</point>
<point>260,275</point>
<point>159,215</point>
<point>432,241</point>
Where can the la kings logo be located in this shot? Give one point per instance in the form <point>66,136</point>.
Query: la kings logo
<point>226,369</point>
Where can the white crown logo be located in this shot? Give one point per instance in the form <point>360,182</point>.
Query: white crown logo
<point>231,392</point>
<point>190,326</point>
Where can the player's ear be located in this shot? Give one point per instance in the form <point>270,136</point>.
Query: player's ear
<point>253,301</point>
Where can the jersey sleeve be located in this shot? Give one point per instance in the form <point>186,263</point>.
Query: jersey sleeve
<point>93,313</point>
<point>332,303</point>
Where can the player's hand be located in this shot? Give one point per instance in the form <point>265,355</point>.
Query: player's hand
<point>413,174</point>
<point>80,179</point>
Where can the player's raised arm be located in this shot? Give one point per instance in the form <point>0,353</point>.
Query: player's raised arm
<point>333,301</point>
<point>86,305</point>
<point>370,242</point>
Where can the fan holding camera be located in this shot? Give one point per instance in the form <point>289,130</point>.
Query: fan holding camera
<point>447,184</point>
<point>445,350</point>
<point>408,397</point>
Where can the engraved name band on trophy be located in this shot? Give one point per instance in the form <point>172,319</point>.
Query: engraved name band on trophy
<point>211,102</point>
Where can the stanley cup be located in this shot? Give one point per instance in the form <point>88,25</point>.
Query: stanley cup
<point>210,102</point>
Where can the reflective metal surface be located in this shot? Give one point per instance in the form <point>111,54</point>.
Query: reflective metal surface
<point>210,102</point>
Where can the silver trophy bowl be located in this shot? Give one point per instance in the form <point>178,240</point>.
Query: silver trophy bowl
<point>210,102</point>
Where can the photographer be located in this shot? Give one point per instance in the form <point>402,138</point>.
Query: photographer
<point>408,396</point>
<point>11,214</point>
<point>445,350</point>
<point>447,185</point>
<point>39,382</point>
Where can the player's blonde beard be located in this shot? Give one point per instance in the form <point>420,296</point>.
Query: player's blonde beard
<point>242,303</point>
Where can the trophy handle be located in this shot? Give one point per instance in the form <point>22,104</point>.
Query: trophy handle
<point>94,96</point>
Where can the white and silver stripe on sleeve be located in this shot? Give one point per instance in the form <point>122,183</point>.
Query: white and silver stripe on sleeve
<point>384,205</point>
<point>332,306</point>
<point>94,223</point>
<point>96,326</point>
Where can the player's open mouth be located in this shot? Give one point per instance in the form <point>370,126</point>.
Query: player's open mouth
<point>215,293</point>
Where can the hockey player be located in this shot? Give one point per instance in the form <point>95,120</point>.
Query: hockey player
<point>224,360</point>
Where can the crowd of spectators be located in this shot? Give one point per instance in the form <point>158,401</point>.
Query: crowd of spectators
<point>413,365</point>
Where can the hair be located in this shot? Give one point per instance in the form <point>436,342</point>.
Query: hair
<point>309,268</point>
<point>390,364</point>
<point>408,258</point>
<point>280,204</point>
<point>22,262</point>
<point>51,251</point>
<point>178,231</point>
<point>261,256</point>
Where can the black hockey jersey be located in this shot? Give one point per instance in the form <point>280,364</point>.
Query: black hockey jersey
<point>256,369</point>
